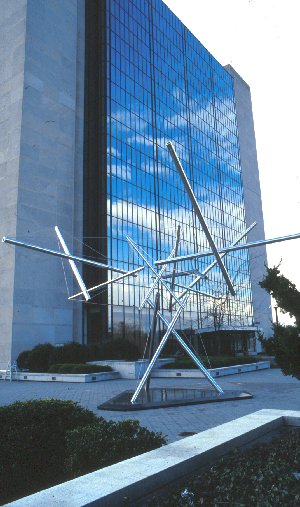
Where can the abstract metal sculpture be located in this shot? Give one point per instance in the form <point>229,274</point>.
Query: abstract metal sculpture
<point>182,299</point>
<point>170,328</point>
<point>142,396</point>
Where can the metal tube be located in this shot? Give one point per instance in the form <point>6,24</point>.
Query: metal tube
<point>60,254</point>
<point>158,350</point>
<point>152,334</point>
<point>243,246</point>
<point>188,288</point>
<point>186,348</point>
<point>213,264</point>
<point>73,265</point>
<point>170,329</point>
<point>192,355</point>
<point>110,281</point>
<point>199,215</point>
<point>174,266</point>
<point>150,267</point>
<point>184,273</point>
<point>241,236</point>
<point>157,279</point>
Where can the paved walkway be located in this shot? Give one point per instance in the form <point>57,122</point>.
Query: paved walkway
<point>270,388</point>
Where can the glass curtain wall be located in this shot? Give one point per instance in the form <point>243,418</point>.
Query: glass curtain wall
<point>163,85</point>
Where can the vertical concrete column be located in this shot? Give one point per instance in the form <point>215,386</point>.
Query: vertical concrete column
<point>12,57</point>
<point>78,161</point>
<point>253,203</point>
<point>42,168</point>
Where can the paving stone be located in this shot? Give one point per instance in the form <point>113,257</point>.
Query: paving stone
<point>270,389</point>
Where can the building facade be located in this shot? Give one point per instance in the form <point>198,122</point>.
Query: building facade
<point>92,92</point>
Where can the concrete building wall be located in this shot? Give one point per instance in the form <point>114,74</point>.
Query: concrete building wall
<point>47,172</point>
<point>12,55</point>
<point>253,203</point>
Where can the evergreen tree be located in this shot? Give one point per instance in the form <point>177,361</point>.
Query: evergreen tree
<point>283,291</point>
<point>286,342</point>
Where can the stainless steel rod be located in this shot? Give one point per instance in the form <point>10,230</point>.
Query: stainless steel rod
<point>183,344</point>
<point>151,267</point>
<point>184,273</point>
<point>174,265</point>
<point>73,265</point>
<point>158,351</point>
<point>152,335</point>
<point>243,246</point>
<point>202,293</point>
<point>200,216</point>
<point>192,356</point>
<point>60,254</point>
<point>157,279</point>
<point>117,279</point>
<point>214,263</point>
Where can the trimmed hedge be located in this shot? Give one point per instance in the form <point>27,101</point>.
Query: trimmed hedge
<point>38,359</point>
<point>40,445</point>
<point>215,362</point>
<point>33,444</point>
<point>108,442</point>
<point>78,368</point>
<point>117,349</point>
<point>41,357</point>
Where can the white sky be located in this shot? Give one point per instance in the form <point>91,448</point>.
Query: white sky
<point>261,40</point>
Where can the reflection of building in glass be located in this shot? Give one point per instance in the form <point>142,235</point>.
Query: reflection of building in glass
<point>162,84</point>
<point>104,96</point>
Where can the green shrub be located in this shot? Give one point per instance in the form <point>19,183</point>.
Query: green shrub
<point>33,444</point>
<point>41,444</point>
<point>78,368</point>
<point>23,358</point>
<point>215,362</point>
<point>107,442</point>
<point>38,359</point>
<point>74,353</point>
<point>286,347</point>
<point>260,477</point>
<point>117,349</point>
<point>41,357</point>
<point>268,345</point>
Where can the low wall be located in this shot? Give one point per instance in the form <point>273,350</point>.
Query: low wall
<point>138,477</point>
<point>62,377</point>
<point>215,372</point>
<point>131,369</point>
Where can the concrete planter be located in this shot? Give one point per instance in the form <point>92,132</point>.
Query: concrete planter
<point>215,372</point>
<point>62,377</point>
<point>130,369</point>
<point>144,475</point>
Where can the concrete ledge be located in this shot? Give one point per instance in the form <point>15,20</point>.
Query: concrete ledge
<point>131,369</point>
<point>62,377</point>
<point>215,372</point>
<point>138,477</point>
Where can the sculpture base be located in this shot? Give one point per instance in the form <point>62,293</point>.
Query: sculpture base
<point>161,397</point>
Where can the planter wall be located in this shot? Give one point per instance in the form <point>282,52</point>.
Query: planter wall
<point>62,377</point>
